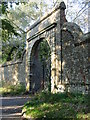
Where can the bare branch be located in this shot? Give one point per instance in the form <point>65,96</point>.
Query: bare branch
<point>80,13</point>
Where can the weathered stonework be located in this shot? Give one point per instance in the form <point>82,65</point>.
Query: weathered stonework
<point>68,60</point>
<point>75,59</point>
<point>69,55</point>
<point>14,72</point>
<point>48,28</point>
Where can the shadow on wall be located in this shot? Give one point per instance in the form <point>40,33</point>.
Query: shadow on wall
<point>75,59</point>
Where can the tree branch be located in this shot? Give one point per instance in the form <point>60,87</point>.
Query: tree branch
<point>17,26</point>
<point>80,13</point>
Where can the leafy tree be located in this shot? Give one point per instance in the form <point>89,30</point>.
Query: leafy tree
<point>14,22</point>
<point>18,15</point>
<point>6,28</point>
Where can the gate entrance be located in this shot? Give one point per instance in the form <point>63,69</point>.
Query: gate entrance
<point>67,47</point>
<point>40,66</point>
<point>49,28</point>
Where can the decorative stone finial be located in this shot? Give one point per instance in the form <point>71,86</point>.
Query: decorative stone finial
<point>62,6</point>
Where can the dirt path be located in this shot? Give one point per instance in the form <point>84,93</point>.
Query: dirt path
<point>10,107</point>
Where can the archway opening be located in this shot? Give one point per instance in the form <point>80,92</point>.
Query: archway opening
<point>40,66</point>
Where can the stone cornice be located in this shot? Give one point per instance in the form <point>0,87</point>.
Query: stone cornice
<point>60,6</point>
<point>42,31</point>
<point>10,63</point>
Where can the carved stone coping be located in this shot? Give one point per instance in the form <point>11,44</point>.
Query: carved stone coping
<point>11,63</point>
<point>19,61</point>
<point>42,31</point>
<point>60,6</point>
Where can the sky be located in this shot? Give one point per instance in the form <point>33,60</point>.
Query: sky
<point>69,18</point>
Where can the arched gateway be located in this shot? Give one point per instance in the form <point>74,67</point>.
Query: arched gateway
<point>48,27</point>
<point>60,36</point>
<point>69,58</point>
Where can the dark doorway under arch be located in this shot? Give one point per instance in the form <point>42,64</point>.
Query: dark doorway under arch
<point>40,67</point>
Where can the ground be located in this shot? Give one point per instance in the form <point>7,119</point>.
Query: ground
<point>60,106</point>
<point>11,107</point>
<point>44,106</point>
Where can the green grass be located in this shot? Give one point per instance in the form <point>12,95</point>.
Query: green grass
<point>12,90</point>
<point>57,107</point>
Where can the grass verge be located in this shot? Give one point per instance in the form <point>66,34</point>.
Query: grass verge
<point>57,106</point>
<point>12,90</point>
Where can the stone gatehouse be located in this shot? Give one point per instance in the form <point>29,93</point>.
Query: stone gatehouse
<point>69,55</point>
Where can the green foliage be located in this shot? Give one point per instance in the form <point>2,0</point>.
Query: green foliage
<point>57,106</point>
<point>14,22</point>
<point>4,6</point>
<point>9,33</point>
<point>6,25</point>
<point>8,89</point>
<point>44,50</point>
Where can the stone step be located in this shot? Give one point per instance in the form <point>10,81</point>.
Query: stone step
<point>10,116</point>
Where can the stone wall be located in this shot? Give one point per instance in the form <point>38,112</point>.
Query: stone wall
<point>75,64</point>
<point>13,72</point>
<point>69,55</point>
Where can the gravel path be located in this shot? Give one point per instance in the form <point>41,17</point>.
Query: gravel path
<point>11,107</point>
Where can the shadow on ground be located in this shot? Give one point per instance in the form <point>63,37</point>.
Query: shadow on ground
<point>11,107</point>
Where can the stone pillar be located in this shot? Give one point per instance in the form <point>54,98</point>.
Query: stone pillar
<point>62,19</point>
<point>53,65</point>
<point>27,68</point>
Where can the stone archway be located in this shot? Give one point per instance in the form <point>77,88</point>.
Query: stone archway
<point>64,41</point>
<point>48,27</point>
<point>69,54</point>
<point>37,67</point>
<point>33,56</point>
